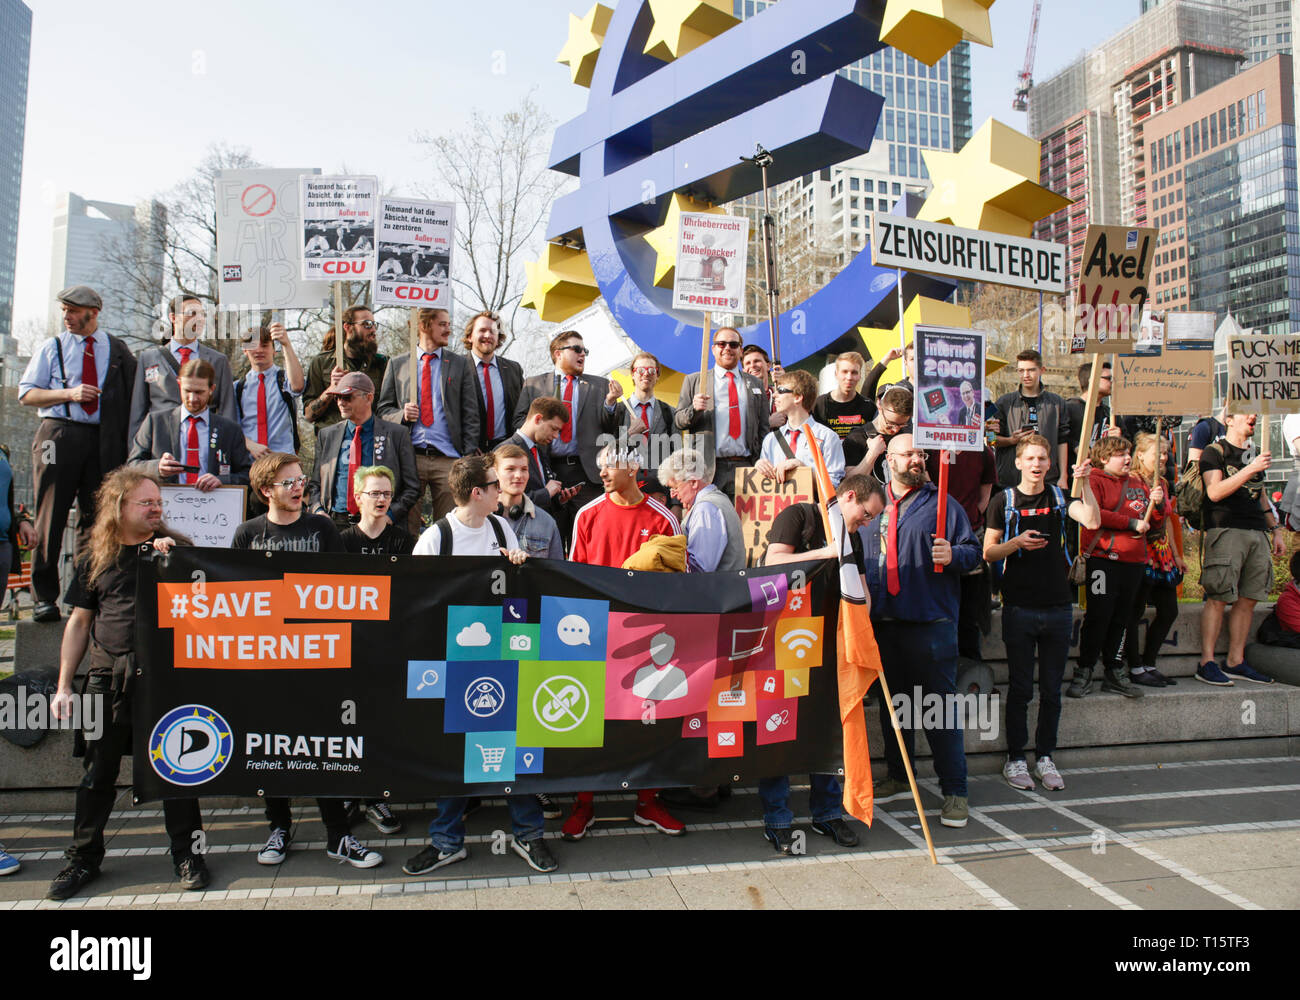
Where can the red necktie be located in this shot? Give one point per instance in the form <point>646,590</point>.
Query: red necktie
<point>794,440</point>
<point>891,552</point>
<point>89,375</point>
<point>185,353</point>
<point>192,451</point>
<point>733,399</point>
<point>426,396</point>
<point>645,415</point>
<point>261,408</point>
<point>541,473</point>
<point>491,408</point>
<point>566,435</point>
<point>354,463</point>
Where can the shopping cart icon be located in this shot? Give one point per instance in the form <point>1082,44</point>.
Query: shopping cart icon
<point>492,757</point>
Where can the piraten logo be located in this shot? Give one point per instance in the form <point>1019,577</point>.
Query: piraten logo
<point>190,745</point>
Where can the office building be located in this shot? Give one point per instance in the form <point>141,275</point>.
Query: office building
<point>15,55</point>
<point>1268,25</point>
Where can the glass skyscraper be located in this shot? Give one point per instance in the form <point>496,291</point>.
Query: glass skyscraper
<point>15,53</point>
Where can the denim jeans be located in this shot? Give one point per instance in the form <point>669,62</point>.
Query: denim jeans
<point>825,799</point>
<point>447,829</point>
<point>1025,631</point>
<point>924,655</point>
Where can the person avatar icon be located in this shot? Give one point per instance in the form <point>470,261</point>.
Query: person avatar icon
<point>660,680</point>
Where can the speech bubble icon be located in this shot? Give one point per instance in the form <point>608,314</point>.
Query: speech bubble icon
<point>573,630</point>
<point>528,759</point>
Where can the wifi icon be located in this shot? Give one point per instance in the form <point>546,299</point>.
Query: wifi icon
<point>799,641</point>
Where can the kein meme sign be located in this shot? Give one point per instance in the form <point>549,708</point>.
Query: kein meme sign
<point>949,410</point>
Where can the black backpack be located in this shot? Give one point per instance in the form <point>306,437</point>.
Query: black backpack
<point>445,535</point>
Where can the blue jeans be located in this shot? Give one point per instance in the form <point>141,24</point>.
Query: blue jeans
<point>924,655</point>
<point>824,799</point>
<point>1024,630</point>
<point>447,829</point>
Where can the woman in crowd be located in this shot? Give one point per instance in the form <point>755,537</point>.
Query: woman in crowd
<point>1164,569</point>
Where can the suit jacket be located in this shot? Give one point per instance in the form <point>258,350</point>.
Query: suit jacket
<point>589,423</point>
<point>686,418</point>
<point>392,448</point>
<point>650,457</point>
<point>512,380</point>
<point>536,489</point>
<point>458,399</point>
<point>115,405</point>
<point>157,385</point>
<point>161,432</point>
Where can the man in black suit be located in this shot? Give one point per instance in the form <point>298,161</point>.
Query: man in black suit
<point>497,380</point>
<point>730,418</point>
<point>544,423</point>
<point>590,400</point>
<point>443,422</point>
<point>80,380</point>
<point>649,423</point>
<point>204,440</point>
<point>360,439</point>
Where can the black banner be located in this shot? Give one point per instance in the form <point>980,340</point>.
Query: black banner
<point>356,676</point>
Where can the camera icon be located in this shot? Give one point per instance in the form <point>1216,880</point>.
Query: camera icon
<point>521,643</point>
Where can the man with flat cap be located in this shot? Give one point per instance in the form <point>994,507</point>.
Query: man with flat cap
<point>80,381</point>
<point>359,440</point>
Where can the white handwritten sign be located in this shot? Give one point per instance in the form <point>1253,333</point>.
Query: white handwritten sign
<point>209,519</point>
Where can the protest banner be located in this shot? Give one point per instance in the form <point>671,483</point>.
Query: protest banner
<point>973,254</point>
<point>415,244</point>
<point>711,262</point>
<point>207,519</point>
<point>338,227</point>
<point>341,675</point>
<point>949,411</point>
<point>1113,279</point>
<point>259,252</point>
<point>1171,384</point>
<point>1189,331</point>
<point>1264,374</point>
<point>758,501</point>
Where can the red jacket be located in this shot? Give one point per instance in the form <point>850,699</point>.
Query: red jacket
<point>1117,536</point>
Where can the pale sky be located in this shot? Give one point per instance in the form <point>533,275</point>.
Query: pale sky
<point>124,97</point>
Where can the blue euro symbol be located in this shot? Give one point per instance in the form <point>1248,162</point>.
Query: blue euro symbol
<point>652,129</point>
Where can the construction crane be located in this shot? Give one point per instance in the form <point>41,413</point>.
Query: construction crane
<point>1025,81</point>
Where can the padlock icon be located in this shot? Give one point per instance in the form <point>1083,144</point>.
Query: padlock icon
<point>769,685</point>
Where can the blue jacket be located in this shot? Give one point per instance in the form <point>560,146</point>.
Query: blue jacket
<point>924,595</point>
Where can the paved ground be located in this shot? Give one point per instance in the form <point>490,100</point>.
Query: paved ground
<point>1179,836</point>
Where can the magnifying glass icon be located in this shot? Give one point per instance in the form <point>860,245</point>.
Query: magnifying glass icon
<point>428,679</point>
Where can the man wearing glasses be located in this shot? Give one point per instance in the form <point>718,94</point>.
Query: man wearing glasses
<point>796,392</point>
<point>374,534</point>
<point>895,417</point>
<point>730,413</point>
<point>649,423</point>
<point>473,528</point>
<point>360,354</point>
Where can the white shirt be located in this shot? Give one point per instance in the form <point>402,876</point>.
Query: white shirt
<point>831,448</point>
<point>466,541</point>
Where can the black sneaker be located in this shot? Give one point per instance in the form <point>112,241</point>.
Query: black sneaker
<point>46,611</point>
<point>382,818</point>
<point>550,808</point>
<point>1080,684</point>
<point>355,853</point>
<point>193,873</point>
<point>838,831</point>
<point>782,840</point>
<point>71,880</point>
<point>536,853</point>
<point>431,858</point>
<point>1117,682</point>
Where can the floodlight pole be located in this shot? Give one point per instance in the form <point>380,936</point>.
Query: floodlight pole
<point>763,159</point>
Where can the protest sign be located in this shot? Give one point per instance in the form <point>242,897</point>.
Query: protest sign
<point>259,253</point>
<point>1113,280</point>
<point>758,501</point>
<point>1189,331</point>
<point>1264,374</point>
<point>949,410</point>
<point>973,254</point>
<point>415,242</point>
<point>208,519</point>
<point>1171,384</point>
<point>1151,334</point>
<point>712,255</point>
<point>340,675</point>
<point>338,227</point>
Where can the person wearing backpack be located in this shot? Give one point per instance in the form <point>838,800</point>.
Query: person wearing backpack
<point>472,528</point>
<point>1026,525</point>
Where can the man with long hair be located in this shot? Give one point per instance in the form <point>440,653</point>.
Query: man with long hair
<point>103,596</point>
<point>360,354</point>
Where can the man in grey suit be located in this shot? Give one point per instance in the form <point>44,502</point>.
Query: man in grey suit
<point>360,439</point>
<point>189,443</point>
<point>497,380</point>
<point>443,423</point>
<point>729,415</point>
<point>158,368</point>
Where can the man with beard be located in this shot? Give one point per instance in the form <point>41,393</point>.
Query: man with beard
<point>497,379</point>
<point>360,354</point>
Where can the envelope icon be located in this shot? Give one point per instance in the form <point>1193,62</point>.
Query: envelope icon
<point>726,739</point>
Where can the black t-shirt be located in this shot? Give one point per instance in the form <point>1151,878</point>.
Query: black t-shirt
<point>849,420</point>
<point>1032,578</point>
<point>113,599</point>
<point>800,526</point>
<point>310,533</point>
<point>392,541</point>
<point>1241,508</point>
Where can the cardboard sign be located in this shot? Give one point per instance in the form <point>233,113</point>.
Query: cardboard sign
<point>759,500</point>
<point>712,255</point>
<point>209,519</point>
<point>258,246</point>
<point>1264,374</point>
<point>1113,278</point>
<point>935,248</point>
<point>415,242</point>
<point>338,227</point>
<point>949,407</point>
<point>1171,384</point>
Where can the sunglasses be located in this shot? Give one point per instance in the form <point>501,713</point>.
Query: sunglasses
<point>732,344</point>
<point>368,324</point>
<point>289,484</point>
<point>576,348</point>
<point>783,389</point>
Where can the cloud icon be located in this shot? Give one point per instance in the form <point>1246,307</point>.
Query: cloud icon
<point>573,630</point>
<point>474,634</point>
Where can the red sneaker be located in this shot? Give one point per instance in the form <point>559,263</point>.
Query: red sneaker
<point>580,820</point>
<point>652,813</point>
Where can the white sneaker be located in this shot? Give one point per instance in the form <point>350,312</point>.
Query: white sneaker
<point>1046,772</point>
<point>277,846</point>
<point>1017,774</point>
<point>355,853</point>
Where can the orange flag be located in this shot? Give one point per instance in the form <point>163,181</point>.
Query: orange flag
<point>857,653</point>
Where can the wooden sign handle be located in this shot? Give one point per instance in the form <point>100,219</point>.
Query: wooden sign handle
<point>415,353</point>
<point>1089,412</point>
<point>338,324</point>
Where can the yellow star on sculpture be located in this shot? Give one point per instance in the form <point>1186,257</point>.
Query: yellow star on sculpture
<point>586,35</point>
<point>664,239</point>
<point>929,29</point>
<point>928,312</point>
<point>683,25</point>
<point>560,284</point>
<point>992,184</point>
